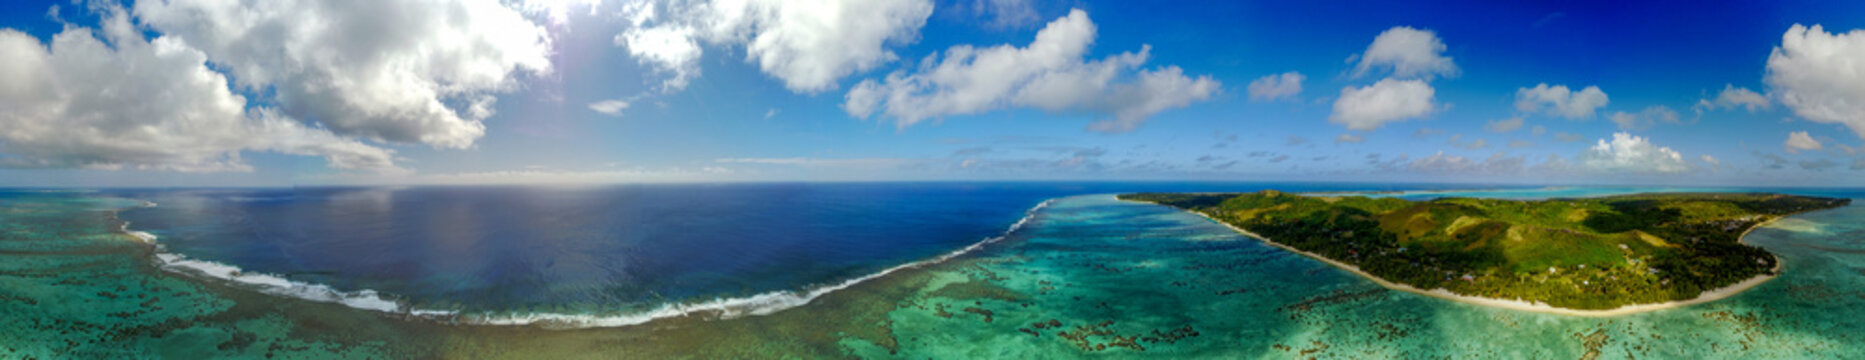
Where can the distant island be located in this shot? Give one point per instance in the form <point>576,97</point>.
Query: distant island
<point>1585,256</point>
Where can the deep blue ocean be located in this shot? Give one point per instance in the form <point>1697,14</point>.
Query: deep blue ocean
<point>604,249</point>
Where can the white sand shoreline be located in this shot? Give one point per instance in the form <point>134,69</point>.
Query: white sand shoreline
<point>1441,293</point>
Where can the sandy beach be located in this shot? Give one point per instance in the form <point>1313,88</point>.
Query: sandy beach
<point>1706,296</point>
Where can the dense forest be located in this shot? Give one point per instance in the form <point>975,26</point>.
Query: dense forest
<point>1587,253</point>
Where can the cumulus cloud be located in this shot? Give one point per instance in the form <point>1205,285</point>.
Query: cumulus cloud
<point>391,70</point>
<point>127,102</point>
<point>1349,138</point>
<point>1049,74</point>
<point>611,107</point>
<point>1631,154</point>
<point>1504,125</point>
<point>1279,86</point>
<point>1408,53</point>
<point>1821,75</point>
<point>671,50</point>
<point>809,45</point>
<point>1389,100</point>
<point>1733,97</point>
<point>1557,100</point>
<point>1799,141</point>
<point>1711,160</point>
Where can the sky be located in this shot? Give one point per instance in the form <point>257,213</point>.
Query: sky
<point>338,92</point>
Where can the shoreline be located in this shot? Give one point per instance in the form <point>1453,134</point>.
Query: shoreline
<point>1519,305</point>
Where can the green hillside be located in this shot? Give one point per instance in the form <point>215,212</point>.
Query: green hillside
<point>1590,253</point>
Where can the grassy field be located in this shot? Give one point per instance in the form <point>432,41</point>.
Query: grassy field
<point>1590,253</point>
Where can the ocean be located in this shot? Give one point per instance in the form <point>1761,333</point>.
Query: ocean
<point>590,255</point>
<point>870,270</point>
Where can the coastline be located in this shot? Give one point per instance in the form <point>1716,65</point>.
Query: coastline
<point>368,299</point>
<point>1519,305</point>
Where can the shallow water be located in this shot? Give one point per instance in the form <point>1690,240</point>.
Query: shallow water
<point>1118,277</point>
<point>1148,268</point>
<point>73,286</point>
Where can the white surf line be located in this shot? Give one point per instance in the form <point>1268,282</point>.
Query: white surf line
<point>365,299</point>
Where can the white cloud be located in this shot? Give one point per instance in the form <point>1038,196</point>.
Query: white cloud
<point>1409,53</point>
<point>1799,141</point>
<point>1631,154</point>
<point>770,113</point>
<point>557,11</point>
<point>807,44</point>
<point>1049,74</point>
<point>611,107</point>
<point>1538,130</point>
<point>133,103</point>
<point>1820,75</point>
<point>1558,101</point>
<point>1389,100</point>
<point>1711,160</point>
<point>1278,86</point>
<point>391,70</point>
<point>1349,138</point>
<point>1733,97</point>
<point>670,49</point>
<point>1504,125</point>
<point>1644,119</point>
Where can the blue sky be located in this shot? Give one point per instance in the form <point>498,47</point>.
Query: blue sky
<point>771,91</point>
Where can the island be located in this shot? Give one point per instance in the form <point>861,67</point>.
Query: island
<point>1581,256</point>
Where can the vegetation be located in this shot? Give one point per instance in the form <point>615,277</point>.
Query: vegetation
<point>1590,253</point>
